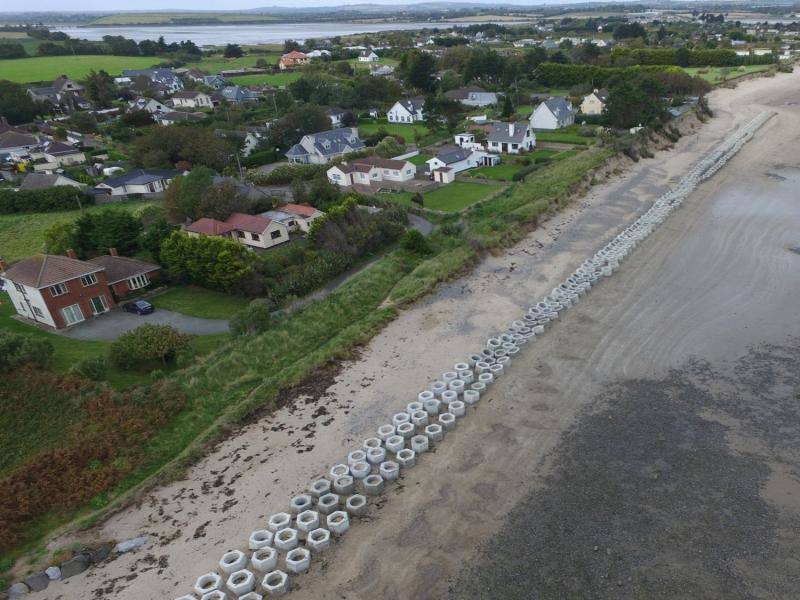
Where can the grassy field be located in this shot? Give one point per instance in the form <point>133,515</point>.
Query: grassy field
<point>215,64</point>
<point>407,131</point>
<point>276,80</point>
<point>717,75</point>
<point>199,302</point>
<point>30,44</point>
<point>47,68</point>
<point>564,137</point>
<point>23,234</point>
<point>458,195</point>
<point>502,172</point>
<point>180,18</point>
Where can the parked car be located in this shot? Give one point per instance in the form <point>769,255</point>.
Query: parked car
<point>140,307</point>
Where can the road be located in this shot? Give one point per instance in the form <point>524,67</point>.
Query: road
<point>110,326</point>
<point>645,447</point>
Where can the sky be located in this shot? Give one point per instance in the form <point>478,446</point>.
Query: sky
<point>118,5</point>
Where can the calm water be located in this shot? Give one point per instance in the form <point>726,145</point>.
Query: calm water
<point>215,35</point>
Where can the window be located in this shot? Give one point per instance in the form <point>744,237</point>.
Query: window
<point>88,280</point>
<point>98,304</point>
<point>58,289</point>
<point>20,288</point>
<point>240,234</point>
<point>275,234</point>
<point>37,311</point>
<point>255,237</point>
<point>138,282</point>
<point>72,314</point>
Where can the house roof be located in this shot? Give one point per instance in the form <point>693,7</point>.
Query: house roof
<point>294,55</point>
<point>119,268</point>
<point>602,94</point>
<point>179,115</point>
<point>188,94</point>
<point>558,105</point>
<point>463,93</point>
<point>501,132</point>
<point>453,154</point>
<point>413,104</point>
<point>41,181</point>
<point>59,148</point>
<point>208,226</point>
<point>13,139</point>
<point>141,177</point>
<point>330,143</point>
<point>302,210</point>
<point>251,223</point>
<point>383,163</point>
<point>44,270</point>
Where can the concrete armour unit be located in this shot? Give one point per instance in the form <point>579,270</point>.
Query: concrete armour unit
<point>457,408</point>
<point>186,597</point>
<point>356,505</point>
<point>338,522</point>
<point>419,418</point>
<point>344,485</point>
<point>279,521</point>
<point>449,376</point>
<point>207,583</point>
<point>241,582</point>
<point>413,407</point>
<point>301,502</point>
<point>356,456</point>
<point>479,387</point>
<point>298,560</point>
<point>307,521</point>
<point>471,397</point>
<point>434,432</point>
<point>275,583</point>
<point>449,396</point>
<point>371,443</point>
<point>406,458</point>
<point>286,539</point>
<point>432,406</point>
<point>376,456</point>
<point>390,470</point>
<point>217,595</point>
<point>319,488</point>
<point>264,560</point>
<point>319,540</point>
<point>360,470</point>
<point>425,395</point>
<point>233,560</point>
<point>385,432</point>
<point>419,443</point>
<point>260,538</point>
<point>457,385</point>
<point>252,596</point>
<point>405,430</point>
<point>400,418</point>
<point>339,470</point>
<point>373,485</point>
<point>437,387</point>
<point>447,421</point>
<point>395,443</point>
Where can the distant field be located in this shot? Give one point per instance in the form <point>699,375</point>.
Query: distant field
<point>716,75</point>
<point>30,44</point>
<point>47,68</point>
<point>22,235</point>
<point>215,64</point>
<point>278,79</point>
<point>180,18</point>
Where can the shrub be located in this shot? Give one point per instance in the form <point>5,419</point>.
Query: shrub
<point>452,229</point>
<point>91,368</point>
<point>414,241</point>
<point>286,174</point>
<point>147,343</point>
<point>17,349</point>
<point>254,318</point>
<point>46,200</point>
<point>525,161</point>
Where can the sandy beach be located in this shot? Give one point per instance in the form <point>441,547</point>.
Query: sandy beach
<point>715,284</point>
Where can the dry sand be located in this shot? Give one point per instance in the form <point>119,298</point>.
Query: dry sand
<point>714,280</point>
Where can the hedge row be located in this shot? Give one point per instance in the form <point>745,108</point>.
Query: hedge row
<point>286,174</point>
<point>46,200</point>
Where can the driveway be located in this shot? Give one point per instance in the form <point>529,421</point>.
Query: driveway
<point>424,226</point>
<point>110,326</point>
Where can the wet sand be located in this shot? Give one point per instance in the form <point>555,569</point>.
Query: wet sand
<point>715,281</point>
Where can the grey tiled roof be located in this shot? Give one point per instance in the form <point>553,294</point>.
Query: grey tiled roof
<point>500,133</point>
<point>558,105</point>
<point>453,155</point>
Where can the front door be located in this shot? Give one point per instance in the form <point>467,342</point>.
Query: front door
<point>99,305</point>
<point>72,314</point>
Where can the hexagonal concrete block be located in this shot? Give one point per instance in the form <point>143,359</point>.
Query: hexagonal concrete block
<point>447,421</point>
<point>360,470</point>
<point>261,538</point>
<point>343,484</point>
<point>275,583</point>
<point>385,431</point>
<point>407,458</point>
<point>356,456</point>
<point>320,487</point>
<point>298,560</point>
<point>434,432</point>
<point>405,430</point>
<point>395,443</point>
<point>279,521</point>
<point>207,583</point>
<point>419,418</point>
<point>241,582</point>
<point>373,485</point>
<point>339,470</point>
<point>234,560</point>
<point>218,595</point>
<point>308,520</point>
<point>252,596</point>
<point>286,539</point>
<point>330,502</point>
<point>187,597</point>
<point>376,456</point>
<point>264,560</point>
<point>457,408</point>
<point>319,540</point>
<point>419,443</point>
<point>301,502</point>
<point>356,505</point>
<point>372,442</point>
<point>390,470</point>
<point>338,522</point>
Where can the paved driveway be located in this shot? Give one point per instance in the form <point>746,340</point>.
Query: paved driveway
<point>111,325</point>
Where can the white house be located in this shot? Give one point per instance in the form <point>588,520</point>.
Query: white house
<point>472,95</point>
<point>368,56</point>
<point>40,181</point>
<point>464,139</point>
<point>140,181</point>
<point>297,217</point>
<point>189,99</point>
<point>511,138</point>
<point>554,113</point>
<point>254,231</point>
<point>594,103</point>
<point>371,170</point>
<point>154,107</point>
<point>320,148</point>
<point>336,115</point>
<point>53,155</point>
<point>461,159</point>
<point>407,111</point>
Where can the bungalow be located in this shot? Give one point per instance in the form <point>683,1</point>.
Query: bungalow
<point>292,59</point>
<point>191,99</point>
<point>368,56</point>
<point>318,54</point>
<point>381,70</point>
<point>461,159</point>
<point>594,103</point>
<point>297,217</point>
<point>161,77</point>
<point>371,170</point>
<point>511,138</point>
<point>179,116</point>
<point>554,113</point>
<point>63,91</point>
<point>13,143</point>
<point>254,231</point>
<point>472,95</point>
<point>41,181</point>
<point>407,111</point>
<point>53,155</point>
<point>237,94</point>
<point>140,181</point>
<point>320,148</point>
<point>154,107</point>
<point>60,291</point>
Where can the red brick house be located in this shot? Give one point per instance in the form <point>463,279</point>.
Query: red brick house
<point>60,291</point>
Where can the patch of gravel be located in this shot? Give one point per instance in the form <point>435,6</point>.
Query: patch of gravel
<point>657,492</point>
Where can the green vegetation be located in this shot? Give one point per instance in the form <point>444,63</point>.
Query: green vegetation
<point>275,79</point>
<point>410,132</point>
<point>180,18</point>
<point>563,137</point>
<point>199,302</point>
<point>47,68</point>
<point>717,75</point>
<point>216,63</point>
<point>23,234</point>
<point>458,195</point>
<point>502,172</point>
<point>419,159</point>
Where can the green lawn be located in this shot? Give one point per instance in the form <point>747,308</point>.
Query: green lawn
<point>563,137</point>
<point>47,68</point>
<point>199,302</point>
<point>502,172</point>
<point>276,80</point>
<point>407,131</point>
<point>539,154</point>
<point>458,195</point>
<point>716,75</point>
<point>215,64</point>
<point>419,159</point>
<point>23,234</point>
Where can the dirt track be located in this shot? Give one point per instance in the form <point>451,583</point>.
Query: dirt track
<point>556,461</point>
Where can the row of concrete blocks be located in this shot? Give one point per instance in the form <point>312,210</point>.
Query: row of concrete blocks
<point>424,422</point>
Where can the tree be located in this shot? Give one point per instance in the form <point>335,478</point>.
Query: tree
<point>233,51</point>
<point>154,235</point>
<point>12,50</point>
<point>508,108</point>
<point>222,199</point>
<point>17,349</point>
<point>165,146</point>
<point>290,45</point>
<point>299,121</point>
<point>253,319</point>
<point>96,232</point>
<point>635,102</point>
<point>208,261</point>
<point>389,147</point>
<point>100,88</point>
<point>16,105</point>
<point>85,122</point>
<point>183,196</point>
<point>146,343</point>
<point>418,199</point>
<point>417,69</point>
<point>59,237</point>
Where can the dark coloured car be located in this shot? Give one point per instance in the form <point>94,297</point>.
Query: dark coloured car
<point>140,307</point>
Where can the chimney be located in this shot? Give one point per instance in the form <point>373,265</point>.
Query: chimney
<point>113,252</point>
<point>3,266</point>
<point>71,253</point>
<point>511,129</point>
